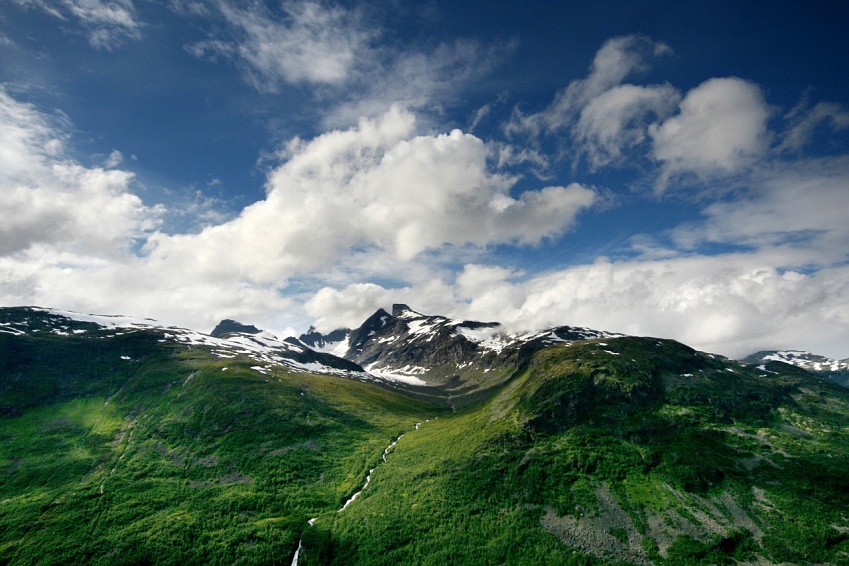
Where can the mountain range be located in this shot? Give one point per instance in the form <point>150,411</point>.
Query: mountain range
<point>412,439</point>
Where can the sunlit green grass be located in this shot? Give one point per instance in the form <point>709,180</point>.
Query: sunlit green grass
<point>177,456</point>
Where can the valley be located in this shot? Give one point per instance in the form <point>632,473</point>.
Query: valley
<point>125,442</point>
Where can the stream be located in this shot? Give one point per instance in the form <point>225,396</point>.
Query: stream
<point>356,495</point>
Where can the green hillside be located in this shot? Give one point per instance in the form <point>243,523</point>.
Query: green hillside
<point>124,448</point>
<point>174,456</point>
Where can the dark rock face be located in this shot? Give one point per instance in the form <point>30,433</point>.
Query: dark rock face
<point>438,349</point>
<point>435,349</point>
<point>408,338</point>
<point>317,340</point>
<point>227,326</point>
<point>379,326</point>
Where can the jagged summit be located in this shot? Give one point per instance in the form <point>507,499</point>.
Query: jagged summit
<point>435,350</point>
<point>324,342</point>
<point>400,310</point>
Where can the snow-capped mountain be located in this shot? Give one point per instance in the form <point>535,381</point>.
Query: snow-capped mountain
<point>335,343</point>
<point>421,349</point>
<point>836,370</point>
<point>802,359</point>
<point>262,347</point>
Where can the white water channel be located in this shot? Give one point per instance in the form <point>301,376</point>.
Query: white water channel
<point>356,495</point>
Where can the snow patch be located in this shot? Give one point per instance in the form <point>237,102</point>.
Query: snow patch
<point>396,375</point>
<point>487,337</point>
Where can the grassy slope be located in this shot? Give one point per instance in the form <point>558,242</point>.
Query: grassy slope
<point>169,458</point>
<point>630,450</point>
<point>654,453</point>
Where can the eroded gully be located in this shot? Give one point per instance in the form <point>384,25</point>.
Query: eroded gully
<point>357,494</point>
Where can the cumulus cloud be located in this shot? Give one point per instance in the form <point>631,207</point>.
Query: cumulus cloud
<point>48,199</point>
<point>375,186</point>
<point>376,194</point>
<point>603,116</point>
<point>108,23</point>
<point>348,307</point>
<point>133,286</point>
<point>721,128</point>
<point>68,234</point>
<point>114,159</point>
<point>732,305</point>
<point>787,288</point>
<point>311,43</point>
<point>384,210</point>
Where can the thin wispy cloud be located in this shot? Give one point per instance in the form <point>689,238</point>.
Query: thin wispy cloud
<point>307,43</point>
<point>618,59</point>
<point>803,121</point>
<point>339,52</point>
<point>107,23</point>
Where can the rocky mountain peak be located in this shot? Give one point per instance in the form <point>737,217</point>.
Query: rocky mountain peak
<point>227,326</point>
<point>402,311</point>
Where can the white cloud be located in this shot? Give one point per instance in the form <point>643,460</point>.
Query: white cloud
<point>789,289</point>
<point>375,198</point>
<point>115,159</point>
<point>616,121</point>
<point>424,81</point>
<point>804,121</point>
<point>720,129</point>
<point>129,285</point>
<point>732,305</point>
<point>379,212</point>
<point>47,199</point>
<point>67,234</point>
<point>373,187</point>
<point>617,59</point>
<point>799,208</point>
<point>348,307</point>
<point>312,43</point>
<point>108,23</point>
<point>337,51</point>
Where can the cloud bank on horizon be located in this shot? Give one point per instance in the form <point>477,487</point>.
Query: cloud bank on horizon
<point>702,211</point>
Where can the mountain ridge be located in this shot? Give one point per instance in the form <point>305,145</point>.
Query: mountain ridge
<point>833,369</point>
<point>434,350</point>
<point>127,442</point>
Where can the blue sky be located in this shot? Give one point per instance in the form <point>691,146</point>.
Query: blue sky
<point>676,169</point>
